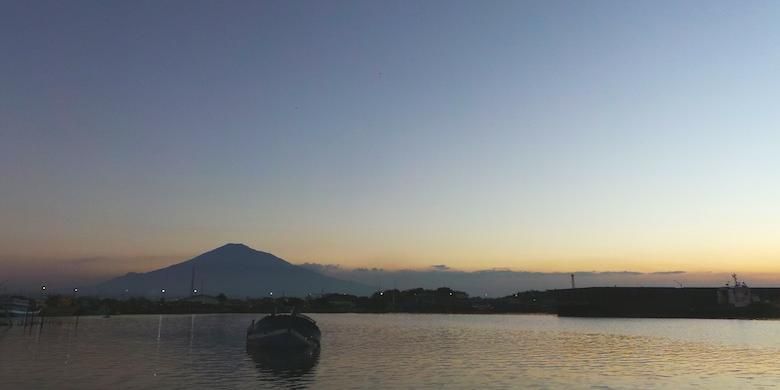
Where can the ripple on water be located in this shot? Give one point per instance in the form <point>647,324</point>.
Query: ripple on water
<point>393,351</point>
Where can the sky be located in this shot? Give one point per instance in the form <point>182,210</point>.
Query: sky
<point>545,136</point>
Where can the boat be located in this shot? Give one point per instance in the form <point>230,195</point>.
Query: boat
<point>738,295</point>
<point>284,331</point>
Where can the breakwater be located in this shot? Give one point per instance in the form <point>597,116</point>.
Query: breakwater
<point>663,302</point>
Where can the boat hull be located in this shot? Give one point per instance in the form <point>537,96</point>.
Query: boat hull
<point>282,339</point>
<point>284,332</point>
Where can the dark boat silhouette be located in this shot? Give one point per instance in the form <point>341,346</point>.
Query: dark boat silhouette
<point>284,331</point>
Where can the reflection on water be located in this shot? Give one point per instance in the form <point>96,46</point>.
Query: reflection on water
<point>393,351</point>
<point>293,368</point>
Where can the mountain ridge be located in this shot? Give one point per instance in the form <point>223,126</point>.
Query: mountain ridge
<point>233,269</point>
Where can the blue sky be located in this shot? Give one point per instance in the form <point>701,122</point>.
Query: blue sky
<point>549,136</point>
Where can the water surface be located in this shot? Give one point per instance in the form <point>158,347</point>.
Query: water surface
<point>394,351</point>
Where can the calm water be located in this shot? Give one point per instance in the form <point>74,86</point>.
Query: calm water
<point>394,351</point>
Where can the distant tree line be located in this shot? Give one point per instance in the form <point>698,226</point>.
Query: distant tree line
<point>418,300</point>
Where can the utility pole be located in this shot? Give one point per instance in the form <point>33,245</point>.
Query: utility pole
<point>193,291</point>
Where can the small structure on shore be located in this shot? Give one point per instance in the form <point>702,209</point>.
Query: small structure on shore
<point>738,295</point>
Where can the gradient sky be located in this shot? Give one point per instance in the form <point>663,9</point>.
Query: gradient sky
<point>545,136</point>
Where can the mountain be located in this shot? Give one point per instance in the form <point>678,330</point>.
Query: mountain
<point>235,270</point>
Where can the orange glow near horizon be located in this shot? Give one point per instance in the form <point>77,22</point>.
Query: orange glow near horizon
<point>755,262</point>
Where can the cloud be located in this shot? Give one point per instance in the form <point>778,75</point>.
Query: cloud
<point>322,268</point>
<point>611,273</point>
<point>85,260</point>
<point>361,269</point>
<point>504,281</point>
